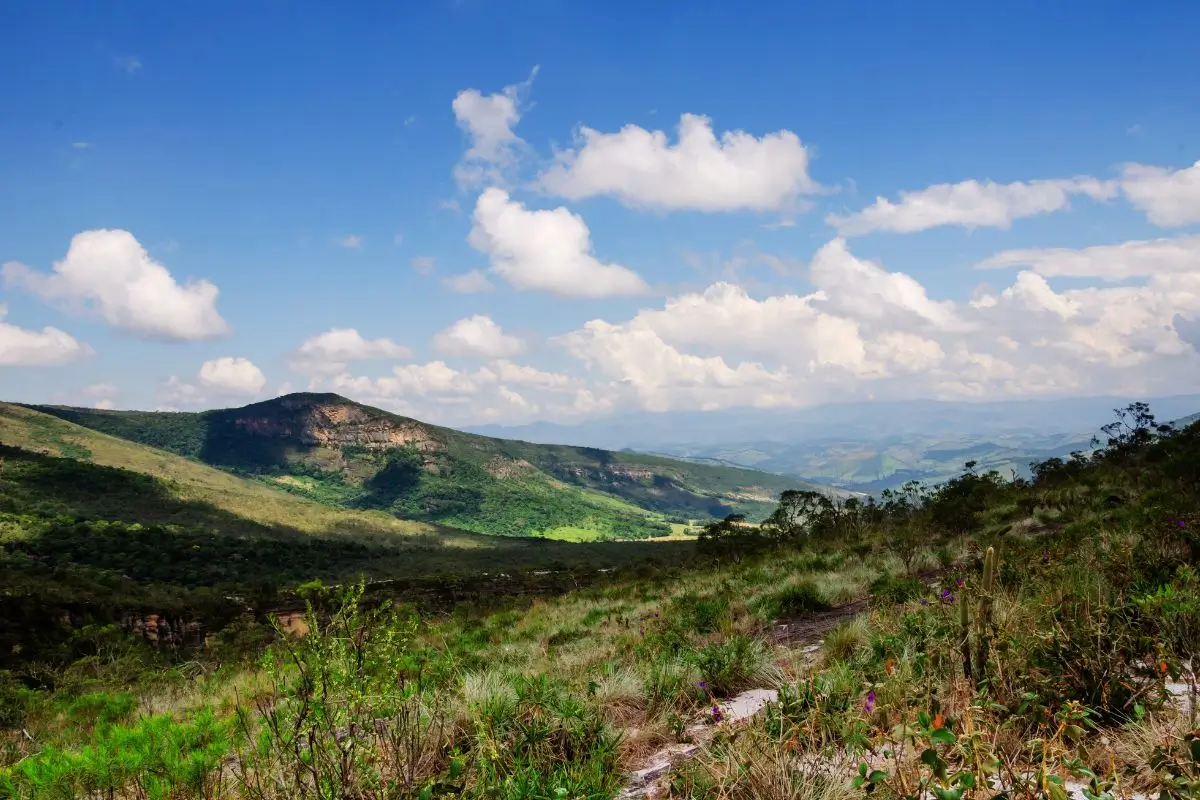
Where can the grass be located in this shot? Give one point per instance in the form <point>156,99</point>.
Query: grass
<point>460,480</point>
<point>1069,641</point>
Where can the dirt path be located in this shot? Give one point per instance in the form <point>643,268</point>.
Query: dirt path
<point>811,628</point>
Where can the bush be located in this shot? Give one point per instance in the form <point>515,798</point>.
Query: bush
<point>738,664</point>
<point>800,598</point>
<point>895,589</point>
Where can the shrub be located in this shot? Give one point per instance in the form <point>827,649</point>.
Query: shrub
<point>802,597</point>
<point>737,664</point>
<point>894,589</point>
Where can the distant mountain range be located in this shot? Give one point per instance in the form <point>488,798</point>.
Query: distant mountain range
<point>341,453</point>
<point>864,447</point>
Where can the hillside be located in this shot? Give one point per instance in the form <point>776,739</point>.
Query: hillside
<point>888,462</point>
<point>51,469</point>
<point>341,453</point>
<point>990,638</point>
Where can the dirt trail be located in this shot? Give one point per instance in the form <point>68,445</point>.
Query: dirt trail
<point>803,632</point>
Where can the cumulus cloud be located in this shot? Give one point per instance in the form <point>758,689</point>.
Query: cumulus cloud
<point>21,347</point>
<point>509,372</point>
<point>1113,262</point>
<point>175,394</point>
<point>865,331</point>
<point>332,351</point>
<point>488,120</point>
<point>109,273</point>
<point>472,282</point>
<point>233,375</point>
<point>351,241</point>
<point>699,172</point>
<point>224,380</point>
<point>436,380</point>
<point>478,335</point>
<point>545,250</point>
<point>970,204</point>
<point>1169,198</point>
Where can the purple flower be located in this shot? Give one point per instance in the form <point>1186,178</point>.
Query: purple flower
<point>642,631</point>
<point>960,582</point>
<point>1180,523</point>
<point>947,596</point>
<point>869,706</point>
<point>716,712</point>
<point>924,602</point>
<point>702,684</point>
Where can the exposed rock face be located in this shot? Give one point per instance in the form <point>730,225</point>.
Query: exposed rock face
<point>501,467</point>
<point>613,473</point>
<point>293,623</point>
<point>339,424</point>
<point>162,632</point>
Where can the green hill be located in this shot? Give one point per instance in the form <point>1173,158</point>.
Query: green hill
<point>345,454</point>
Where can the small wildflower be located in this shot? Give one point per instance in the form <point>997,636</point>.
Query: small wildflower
<point>889,666</point>
<point>1162,667</point>
<point>959,582</point>
<point>947,596</point>
<point>1180,523</point>
<point>939,721</point>
<point>869,706</point>
<point>924,602</point>
<point>703,684</point>
<point>716,713</point>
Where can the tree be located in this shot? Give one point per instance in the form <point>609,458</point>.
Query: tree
<point>731,537</point>
<point>797,514</point>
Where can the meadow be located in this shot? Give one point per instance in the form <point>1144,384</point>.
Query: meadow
<point>984,638</point>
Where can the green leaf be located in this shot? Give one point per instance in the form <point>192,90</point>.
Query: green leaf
<point>943,736</point>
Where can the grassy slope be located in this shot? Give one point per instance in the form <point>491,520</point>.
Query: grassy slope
<point>565,492</point>
<point>533,689</point>
<point>64,469</point>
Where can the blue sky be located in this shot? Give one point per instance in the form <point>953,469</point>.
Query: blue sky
<point>334,167</point>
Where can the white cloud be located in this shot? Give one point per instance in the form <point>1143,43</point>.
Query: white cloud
<point>864,290</point>
<point>233,375</point>
<point>1114,262</point>
<point>866,332</point>
<point>81,145</point>
<point>330,352</point>
<point>478,335</point>
<point>21,347</point>
<point>970,204</point>
<point>110,273</point>
<point>422,265</point>
<point>398,239</point>
<point>175,394</point>
<point>488,121</point>
<point>545,250</point>
<point>351,241</point>
<point>510,372</point>
<point>1170,198</point>
<point>657,372</point>
<point>105,405</point>
<point>700,172</point>
<point>472,282</point>
<point>436,378</point>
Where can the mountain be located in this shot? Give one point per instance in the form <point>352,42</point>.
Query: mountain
<point>97,530</point>
<point>859,421</point>
<point>868,447</point>
<point>340,453</point>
